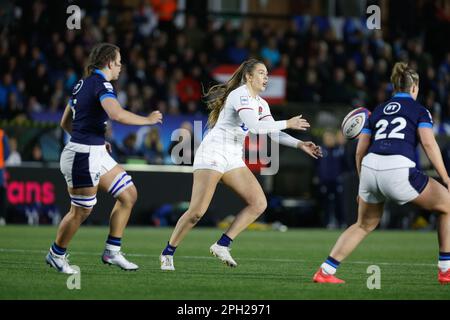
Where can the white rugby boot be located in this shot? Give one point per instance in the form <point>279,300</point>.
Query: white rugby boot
<point>116,257</point>
<point>166,262</point>
<point>223,253</point>
<point>59,262</point>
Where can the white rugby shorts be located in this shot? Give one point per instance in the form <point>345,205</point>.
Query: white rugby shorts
<point>82,165</point>
<point>221,157</point>
<point>380,180</point>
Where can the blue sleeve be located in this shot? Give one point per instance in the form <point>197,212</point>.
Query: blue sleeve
<point>104,89</point>
<point>5,148</point>
<point>425,120</point>
<point>366,129</point>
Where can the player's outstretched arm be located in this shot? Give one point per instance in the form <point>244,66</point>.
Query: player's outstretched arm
<point>117,113</point>
<point>310,148</point>
<point>287,140</point>
<point>66,120</point>
<point>250,118</point>
<point>431,148</point>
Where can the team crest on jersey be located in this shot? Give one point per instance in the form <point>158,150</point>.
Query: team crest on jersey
<point>244,100</point>
<point>77,87</point>
<point>260,110</point>
<point>108,86</point>
<point>392,108</point>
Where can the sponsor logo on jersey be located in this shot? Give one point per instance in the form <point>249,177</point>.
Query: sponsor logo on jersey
<point>77,87</point>
<point>244,100</point>
<point>108,86</point>
<point>243,127</point>
<point>392,108</point>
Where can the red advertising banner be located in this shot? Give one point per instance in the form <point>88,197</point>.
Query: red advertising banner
<point>275,92</point>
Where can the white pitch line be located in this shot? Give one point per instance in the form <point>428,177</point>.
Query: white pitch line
<point>248,259</point>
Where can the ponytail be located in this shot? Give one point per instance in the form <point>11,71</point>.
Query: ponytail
<point>403,77</point>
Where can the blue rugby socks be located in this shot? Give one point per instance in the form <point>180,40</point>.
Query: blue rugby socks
<point>58,250</point>
<point>444,261</point>
<point>224,241</point>
<point>169,250</point>
<point>113,243</point>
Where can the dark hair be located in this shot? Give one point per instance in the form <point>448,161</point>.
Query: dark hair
<point>100,56</point>
<point>217,95</point>
<point>403,77</point>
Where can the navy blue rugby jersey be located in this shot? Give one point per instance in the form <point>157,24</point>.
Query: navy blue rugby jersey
<point>393,126</point>
<point>89,117</point>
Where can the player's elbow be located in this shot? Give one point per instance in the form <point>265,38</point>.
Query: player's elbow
<point>360,154</point>
<point>428,144</point>
<point>65,126</point>
<point>116,116</point>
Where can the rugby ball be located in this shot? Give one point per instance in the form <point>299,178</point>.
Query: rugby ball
<point>354,122</point>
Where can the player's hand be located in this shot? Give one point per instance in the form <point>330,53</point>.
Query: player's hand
<point>311,149</point>
<point>357,199</point>
<point>108,147</point>
<point>297,123</point>
<point>155,117</point>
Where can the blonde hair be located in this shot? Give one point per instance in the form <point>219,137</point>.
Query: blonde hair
<point>217,95</point>
<point>403,77</point>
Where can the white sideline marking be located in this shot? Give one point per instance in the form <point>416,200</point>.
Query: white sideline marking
<point>248,259</point>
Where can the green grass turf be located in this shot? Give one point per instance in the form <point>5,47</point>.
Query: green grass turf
<point>272,265</point>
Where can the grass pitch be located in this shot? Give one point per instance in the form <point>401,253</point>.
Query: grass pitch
<point>271,266</point>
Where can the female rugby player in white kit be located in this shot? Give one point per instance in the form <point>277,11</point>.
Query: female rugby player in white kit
<point>85,162</point>
<point>236,108</point>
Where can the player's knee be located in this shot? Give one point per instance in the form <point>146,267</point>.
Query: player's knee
<point>259,205</point>
<point>80,213</point>
<point>129,196</point>
<point>368,226</point>
<point>195,214</point>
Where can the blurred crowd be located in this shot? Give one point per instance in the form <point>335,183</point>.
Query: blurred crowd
<point>166,66</point>
<point>168,62</point>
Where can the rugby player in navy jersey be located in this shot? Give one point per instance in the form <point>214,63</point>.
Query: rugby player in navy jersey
<point>385,159</point>
<point>86,163</point>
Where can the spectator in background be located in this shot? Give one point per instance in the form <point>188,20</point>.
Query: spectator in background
<point>36,153</point>
<point>128,149</point>
<point>14,158</point>
<point>165,10</point>
<point>195,36</point>
<point>271,54</point>
<point>145,18</point>
<point>4,154</point>
<point>330,170</point>
<point>337,91</point>
<point>15,109</point>
<point>152,148</point>
<point>6,88</point>
<point>238,52</point>
<point>188,90</point>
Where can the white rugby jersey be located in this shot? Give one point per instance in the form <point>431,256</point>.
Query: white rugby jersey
<point>243,113</point>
